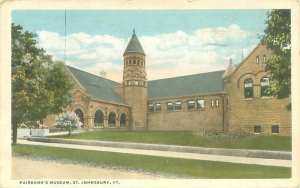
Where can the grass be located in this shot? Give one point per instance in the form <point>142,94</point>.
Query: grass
<point>274,142</point>
<point>180,167</point>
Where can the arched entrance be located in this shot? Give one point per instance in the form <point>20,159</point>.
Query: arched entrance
<point>99,118</point>
<point>123,120</point>
<point>112,119</point>
<point>80,114</point>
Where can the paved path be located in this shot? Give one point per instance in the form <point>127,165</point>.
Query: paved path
<point>47,169</point>
<point>232,159</point>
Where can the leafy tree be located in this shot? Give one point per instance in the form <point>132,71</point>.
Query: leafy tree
<point>278,38</point>
<point>40,86</point>
<point>68,121</point>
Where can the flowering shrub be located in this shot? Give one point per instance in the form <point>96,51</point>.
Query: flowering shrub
<point>68,121</point>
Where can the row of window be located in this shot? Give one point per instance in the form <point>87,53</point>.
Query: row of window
<point>258,59</point>
<point>134,62</point>
<point>136,82</point>
<point>136,75</point>
<point>264,85</point>
<point>274,129</point>
<point>191,105</point>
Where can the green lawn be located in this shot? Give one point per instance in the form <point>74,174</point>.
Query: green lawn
<point>274,142</point>
<point>180,167</point>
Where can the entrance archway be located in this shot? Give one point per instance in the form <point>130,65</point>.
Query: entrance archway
<point>80,114</point>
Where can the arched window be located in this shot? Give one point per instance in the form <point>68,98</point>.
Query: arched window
<point>248,88</point>
<point>123,120</point>
<point>112,119</point>
<point>98,121</point>
<point>264,85</point>
<point>79,113</point>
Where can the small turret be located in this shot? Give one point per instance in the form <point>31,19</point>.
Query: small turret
<point>229,70</point>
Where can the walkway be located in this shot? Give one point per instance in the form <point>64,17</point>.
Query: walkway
<point>195,156</point>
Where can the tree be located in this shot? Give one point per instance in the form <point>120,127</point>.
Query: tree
<point>68,121</point>
<point>40,86</point>
<point>278,38</point>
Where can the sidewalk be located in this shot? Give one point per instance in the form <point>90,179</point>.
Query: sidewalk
<point>173,154</point>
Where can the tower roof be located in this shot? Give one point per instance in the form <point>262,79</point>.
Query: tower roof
<point>134,45</point>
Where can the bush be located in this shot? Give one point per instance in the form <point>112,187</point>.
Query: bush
<point>68,121</point>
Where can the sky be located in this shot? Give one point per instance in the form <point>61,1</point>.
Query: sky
<point>176,42</point>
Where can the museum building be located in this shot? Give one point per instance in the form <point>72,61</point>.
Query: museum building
<point>235,99</point>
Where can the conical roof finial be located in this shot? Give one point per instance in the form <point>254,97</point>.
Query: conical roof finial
<point>134,45</point>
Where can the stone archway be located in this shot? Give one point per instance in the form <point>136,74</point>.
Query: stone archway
<point>99,119</point>
<point>123,120</point>
<point>112,119</point>
<point>80,114</point>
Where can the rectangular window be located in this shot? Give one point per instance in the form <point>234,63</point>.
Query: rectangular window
<point>275,128</point>
<point>191,104</point>
<point>136,82</point>
<point>157,107</point>
<point>178,105</point>
<point>212,103</point>
<point>257,59</point>
<point>170,106</point>
<point>151,108</point>
<point>200,104</point>
<point>217,103</point>
<point>257,129</point>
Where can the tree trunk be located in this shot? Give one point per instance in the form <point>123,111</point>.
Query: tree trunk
<point>15,132</point>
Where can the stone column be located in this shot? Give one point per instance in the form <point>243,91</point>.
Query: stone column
<point>118,122</point>
<point>89,122</point>
<point>105,122</point>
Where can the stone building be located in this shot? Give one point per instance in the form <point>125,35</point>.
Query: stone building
<point>234,99</point>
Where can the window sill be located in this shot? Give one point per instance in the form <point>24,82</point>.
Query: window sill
<point>257,133</point>
<point>248,99</point>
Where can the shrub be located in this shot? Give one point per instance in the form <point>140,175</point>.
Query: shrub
<point>68,121</point>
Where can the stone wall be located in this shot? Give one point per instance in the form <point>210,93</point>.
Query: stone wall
<point>265,111</point>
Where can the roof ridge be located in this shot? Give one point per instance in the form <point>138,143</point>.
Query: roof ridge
<point>188,75</point>
<point>91,74</point>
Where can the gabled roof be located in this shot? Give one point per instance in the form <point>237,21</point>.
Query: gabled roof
<point>198,84</point>
<point>99,88</point>
<point>134,45</point>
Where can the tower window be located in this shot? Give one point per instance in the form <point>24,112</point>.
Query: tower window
<point>212,103</point>
<point>217,103</point>
<point>257,59</point>
<point>136,82</point>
